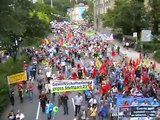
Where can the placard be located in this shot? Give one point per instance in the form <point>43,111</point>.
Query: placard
<point>71,85</point>
<point>17,78</point>
<point>138,111</point>
<point>146,36</point>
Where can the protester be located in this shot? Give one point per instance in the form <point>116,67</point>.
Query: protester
<point>11,115</point>
<point>20,91</point>
<point>93,112</point>
<point>83,114</point>
<point>30,89</point>
<point>65,103</point>
<point>78,102</point>
<point>43,100</point>
<point>19,116</point>
<point>49,109</point>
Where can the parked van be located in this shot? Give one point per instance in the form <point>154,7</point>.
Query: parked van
<point>128,41</point>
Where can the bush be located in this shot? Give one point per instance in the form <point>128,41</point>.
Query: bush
<point>150,46</point>
<point>8,68</point>
<point>157,56</point>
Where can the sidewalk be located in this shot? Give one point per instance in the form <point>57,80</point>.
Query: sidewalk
<point>132,53</point>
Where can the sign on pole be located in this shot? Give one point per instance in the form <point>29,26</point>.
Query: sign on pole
<point>146,36</point>
<point>135,35</point>
<point>17,78</point>
<point>71,85</point>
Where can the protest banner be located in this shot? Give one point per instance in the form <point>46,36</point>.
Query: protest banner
<point>136,112</point>
<point>17,78</point>
<point>71,85</point>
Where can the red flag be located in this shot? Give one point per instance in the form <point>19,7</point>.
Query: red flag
<point>154,66</point>
<point>61,42</point>
<point>74,76</point>
<point>78,66</point>
<point>102,69</point>
<point>140,56</point>
<point>113,53</point>
<point>134,64</point>
<point>105,88</point>
<point>93,72</point>
<point>84,71</point>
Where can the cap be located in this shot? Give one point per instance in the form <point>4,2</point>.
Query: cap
<point>155,99</point>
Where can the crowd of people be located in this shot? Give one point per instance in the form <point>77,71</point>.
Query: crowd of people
<point>72,55</point>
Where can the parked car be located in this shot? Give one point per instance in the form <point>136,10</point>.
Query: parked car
<point>128,41</point>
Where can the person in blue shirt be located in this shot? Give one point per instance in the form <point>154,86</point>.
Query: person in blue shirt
<point>49,109</point>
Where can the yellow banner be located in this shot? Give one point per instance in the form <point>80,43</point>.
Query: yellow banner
<point>17,78</point>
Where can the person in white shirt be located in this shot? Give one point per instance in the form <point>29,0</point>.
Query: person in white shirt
<point>78,102</point>
<point>114,90</point>
<point>145,103</point>
<point>48,75</point>
<point>135,103</point>
<point>19,116</point>
<point>92,101</point>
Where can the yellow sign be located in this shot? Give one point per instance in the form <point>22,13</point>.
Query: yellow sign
<point>17,78</point>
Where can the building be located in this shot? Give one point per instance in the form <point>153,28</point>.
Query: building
<point>101,7</point>
<point>75,13</point>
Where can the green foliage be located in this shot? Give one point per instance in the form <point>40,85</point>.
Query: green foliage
<point>155,15</point>
<point>23,18</point>
<point>61,6</point>
<point>157,56</point>
<point>129,16</point>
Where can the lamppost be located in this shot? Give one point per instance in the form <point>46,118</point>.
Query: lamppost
<point>15,46</point>
<point>14,49</point>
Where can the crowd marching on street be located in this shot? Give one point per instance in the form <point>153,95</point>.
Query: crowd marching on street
<point>72,54</point>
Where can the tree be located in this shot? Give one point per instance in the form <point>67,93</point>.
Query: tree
<point>155,15</point>
<point>61,6</point>
<point>130,16</point>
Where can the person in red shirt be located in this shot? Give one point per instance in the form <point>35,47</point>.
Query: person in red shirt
<point>30,90</point>
<point>61,76</point>
<point>25,65</point>
<point>105,89</point>
<point>125,104</point>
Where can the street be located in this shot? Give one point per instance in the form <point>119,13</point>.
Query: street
<point>30,109</point>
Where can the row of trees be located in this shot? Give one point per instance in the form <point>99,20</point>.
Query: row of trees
<point>23,19</point>
<point>133,16</point>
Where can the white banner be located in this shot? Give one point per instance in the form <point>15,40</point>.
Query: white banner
<point>71,85</point>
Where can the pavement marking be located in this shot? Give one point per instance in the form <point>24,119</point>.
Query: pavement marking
<point>38,109</point>
<point>73,104</point>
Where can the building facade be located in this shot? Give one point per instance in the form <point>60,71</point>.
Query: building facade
<point>75,13</point>
<point>101,7</point>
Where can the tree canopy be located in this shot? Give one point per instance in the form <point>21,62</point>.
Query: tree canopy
<point>22,18</point>
<point>133,16</point>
